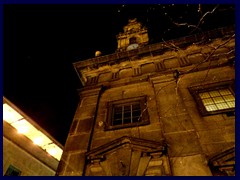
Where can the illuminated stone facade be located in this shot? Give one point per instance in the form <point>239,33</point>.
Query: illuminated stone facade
<point>139,113</point>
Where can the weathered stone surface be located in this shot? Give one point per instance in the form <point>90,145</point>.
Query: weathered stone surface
<point>171,63</point>
<point>148,68</point>
<point>128,72</point>
<point>143,165</point>
<point>195,165</point>
<point>134,162</point>
<point>105,77</point>
<point>213,148</point>
<point>215,135</point>
<point>89,101</point>
<point>86,112</point>
<point>76,162</point>
<point>85,125</point>
<point>183,143</point>
<point>151,135</point>
<point>177,123</point>
<point>172,110</point>
<point>99,142</point>
<point>78,142</point>
<point>28,164</point>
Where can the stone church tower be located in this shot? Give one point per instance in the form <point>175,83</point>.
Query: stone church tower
<point>164,109</point>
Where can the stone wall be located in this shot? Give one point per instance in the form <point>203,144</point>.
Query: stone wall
<point>24,161</point>
<point>172,111</point>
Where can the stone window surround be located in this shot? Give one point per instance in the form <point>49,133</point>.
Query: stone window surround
<point>195,90</point>
<point>144,120</point>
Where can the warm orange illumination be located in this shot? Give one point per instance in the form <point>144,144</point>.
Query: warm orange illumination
<point>52,152</point>
<point>38,140</point>
<point>218,99</point>
<point>22,130</point>
<point>23,126</point>
<point>9,114</point>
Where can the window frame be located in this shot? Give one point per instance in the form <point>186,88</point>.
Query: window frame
<point>127,102</point>
<point>11,169</point>
<point>195,90</point>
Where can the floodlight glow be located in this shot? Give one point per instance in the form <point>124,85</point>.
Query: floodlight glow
<point>9,114</point>
<point>52,151</point>
<point>38,140</point>
<point>23,126</point>
<point>22,129</point>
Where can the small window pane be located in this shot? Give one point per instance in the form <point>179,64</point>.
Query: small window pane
<point>211,108</point>
<point>118,109</point>
<point>117,122</point>
<point>127,108</point>
<point>204,95</point>
<point>136,119</point>
<point>222,106</point>
<point>127,120</point>
<point>207,101</point>
<point>218,99</point>
<point>118,116</point>
<point>224,91</point>
<point>136,106</point>
<point>231,104</point>
<point>229,98</point>
<point>127,114</point>
<point>214,93</point>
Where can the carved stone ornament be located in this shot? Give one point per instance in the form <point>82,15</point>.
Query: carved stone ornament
<point>223,164</point>
<point>129,156</point>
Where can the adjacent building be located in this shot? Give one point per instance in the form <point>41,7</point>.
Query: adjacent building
<point>164,109</point>
<point>28,150</point>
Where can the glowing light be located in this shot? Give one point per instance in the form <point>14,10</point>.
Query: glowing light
<point>52,152</point>
<point>23,126</point>
<point>22,129</point>
<point>38,140</point>
<point>9,114</point>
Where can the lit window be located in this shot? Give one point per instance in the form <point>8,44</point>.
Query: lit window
<point>127,113</point>
<point>214,98</point>
<point>218,99</point>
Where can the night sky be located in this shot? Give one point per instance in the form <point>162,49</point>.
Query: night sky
<point>42,41</point>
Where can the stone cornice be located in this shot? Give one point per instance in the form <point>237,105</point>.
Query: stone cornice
<point>105,60</point>
<point>160,57</point>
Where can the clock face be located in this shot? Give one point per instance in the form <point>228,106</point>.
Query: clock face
<point>132,46</point>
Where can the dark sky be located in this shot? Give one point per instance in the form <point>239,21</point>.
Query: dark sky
<point>42,41</point>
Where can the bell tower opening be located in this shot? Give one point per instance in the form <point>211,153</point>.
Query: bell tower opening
<point>134,36</point>
<point>132,40</point>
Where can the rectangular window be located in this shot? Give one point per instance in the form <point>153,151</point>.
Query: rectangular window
<point>127,113</point>
<point>214,98</point>
<point>12,171</point>
<point>218,100</point>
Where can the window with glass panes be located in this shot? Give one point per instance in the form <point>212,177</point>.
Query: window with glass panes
<point>218,99</point>
<point>215,98</point>
<point>127,113</point>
